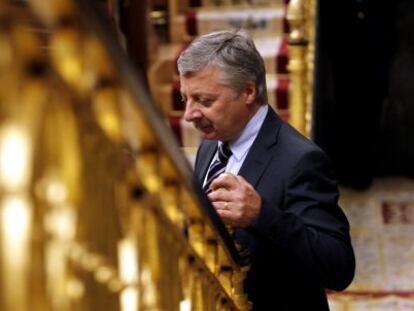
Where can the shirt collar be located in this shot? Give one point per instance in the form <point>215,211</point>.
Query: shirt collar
<point>242,144</point>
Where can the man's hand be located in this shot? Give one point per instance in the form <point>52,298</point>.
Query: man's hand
<point>235,200</point>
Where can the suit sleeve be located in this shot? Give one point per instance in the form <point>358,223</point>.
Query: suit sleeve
<point>310,230</point>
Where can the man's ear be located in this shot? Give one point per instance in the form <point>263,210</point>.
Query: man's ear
<point>250,91</point>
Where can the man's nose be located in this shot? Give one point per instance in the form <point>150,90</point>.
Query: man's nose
<point>190,112</point>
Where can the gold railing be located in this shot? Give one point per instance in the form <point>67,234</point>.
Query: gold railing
<point>98,207</point>
<point>301,16</point>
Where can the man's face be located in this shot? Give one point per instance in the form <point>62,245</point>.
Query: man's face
<point>215,109</point>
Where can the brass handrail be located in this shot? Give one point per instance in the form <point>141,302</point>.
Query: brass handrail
<point>99,209</point>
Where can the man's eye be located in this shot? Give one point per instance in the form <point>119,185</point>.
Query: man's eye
<point>205,102</point>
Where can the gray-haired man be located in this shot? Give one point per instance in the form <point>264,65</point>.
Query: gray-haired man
<point>283,197</point>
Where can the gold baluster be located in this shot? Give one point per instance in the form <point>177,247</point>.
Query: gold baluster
<point>310,60</point>
<point>211,255</point>
<point>301,16</point>
<point>240,298</point>
<point>297,64</point>
<point>225,271</point>
<point>186,303</point>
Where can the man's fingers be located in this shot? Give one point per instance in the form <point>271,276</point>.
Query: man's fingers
<point>225,180</point>
<point>235,200</point>
<point>221,205</point>
<point>221,194</point>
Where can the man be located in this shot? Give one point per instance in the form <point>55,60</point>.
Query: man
<point>279,192</point>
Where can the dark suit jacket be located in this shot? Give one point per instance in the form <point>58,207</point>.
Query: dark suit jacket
<point>300,244</point>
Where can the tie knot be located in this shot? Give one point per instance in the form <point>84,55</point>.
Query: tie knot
<point>224,152</point>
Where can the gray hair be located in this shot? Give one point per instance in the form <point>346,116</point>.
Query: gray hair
<point>236,56</point>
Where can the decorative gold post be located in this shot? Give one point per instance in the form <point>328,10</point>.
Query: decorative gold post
<point>301,15</point>
<point>310,60</point>
<point>297,64</point>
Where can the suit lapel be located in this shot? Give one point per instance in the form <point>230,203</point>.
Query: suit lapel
<point>256,160</point>
<point>258,157</point>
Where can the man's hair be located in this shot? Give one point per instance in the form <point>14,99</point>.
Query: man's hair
<point>234,53</point>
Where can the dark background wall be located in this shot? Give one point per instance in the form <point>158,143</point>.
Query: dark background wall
<point>397,123</point>
<point>364,84</point>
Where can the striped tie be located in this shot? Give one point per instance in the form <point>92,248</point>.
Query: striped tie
<point>219,165</point>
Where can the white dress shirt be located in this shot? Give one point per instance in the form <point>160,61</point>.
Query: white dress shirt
<point>241,145</point>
